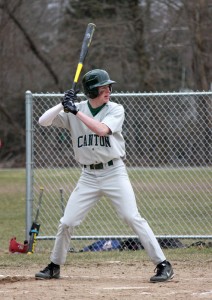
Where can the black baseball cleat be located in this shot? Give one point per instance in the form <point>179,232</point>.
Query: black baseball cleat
<point>164,272</point>
<point>51,271</point>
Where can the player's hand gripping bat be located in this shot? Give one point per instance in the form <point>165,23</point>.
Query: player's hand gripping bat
<point>84,50</point>
<point>35,226</point>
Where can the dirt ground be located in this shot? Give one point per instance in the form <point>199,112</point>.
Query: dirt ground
<point>112,280</point>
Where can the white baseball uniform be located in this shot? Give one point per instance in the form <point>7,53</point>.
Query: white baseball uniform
<point>103,174</point>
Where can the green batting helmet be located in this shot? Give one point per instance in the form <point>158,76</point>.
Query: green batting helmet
<point>92,80</point>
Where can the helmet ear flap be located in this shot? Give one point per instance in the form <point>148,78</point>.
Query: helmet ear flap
<point>93,93</point>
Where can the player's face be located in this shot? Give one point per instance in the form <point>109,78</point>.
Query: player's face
<point>104,93</point>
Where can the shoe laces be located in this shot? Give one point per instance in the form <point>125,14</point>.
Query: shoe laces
<point>159,269</point>
<point>49,267</point>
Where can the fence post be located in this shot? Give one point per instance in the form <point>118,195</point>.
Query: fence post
<point>28,106</point>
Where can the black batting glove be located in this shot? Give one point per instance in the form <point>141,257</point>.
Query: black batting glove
<point>71,95</point>
<point>68,101</point>
<point>69,106</point>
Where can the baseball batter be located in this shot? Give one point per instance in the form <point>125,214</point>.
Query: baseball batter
<point>96,129</point>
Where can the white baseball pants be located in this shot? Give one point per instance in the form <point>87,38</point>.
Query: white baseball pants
<point>113,182</point>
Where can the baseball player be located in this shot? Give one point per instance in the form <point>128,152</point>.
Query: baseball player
<point>96,129</point>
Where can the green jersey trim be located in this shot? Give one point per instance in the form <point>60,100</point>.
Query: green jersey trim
<point>96,110</point>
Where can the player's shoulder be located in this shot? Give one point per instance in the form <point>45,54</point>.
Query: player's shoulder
<point>115,106</point>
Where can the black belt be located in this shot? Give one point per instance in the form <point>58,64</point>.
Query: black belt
<point>99,166</point>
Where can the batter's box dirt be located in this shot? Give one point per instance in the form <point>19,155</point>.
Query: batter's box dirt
<point>108,281</point>
<point>15,278</point>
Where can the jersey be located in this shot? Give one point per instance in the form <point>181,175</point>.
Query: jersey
<point>89,148</point>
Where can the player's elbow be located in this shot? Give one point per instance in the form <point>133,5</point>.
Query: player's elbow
<point>103,131</point>
<point>43,122</point>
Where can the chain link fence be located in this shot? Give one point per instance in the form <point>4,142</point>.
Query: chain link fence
<point>169,161</point>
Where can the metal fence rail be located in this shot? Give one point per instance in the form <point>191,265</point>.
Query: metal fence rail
<point>169,161</point>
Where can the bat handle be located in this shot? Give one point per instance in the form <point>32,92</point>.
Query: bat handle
<point>74,86</point>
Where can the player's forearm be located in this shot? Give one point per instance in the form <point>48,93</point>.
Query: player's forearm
<point>94,125</point>
<point>47,118</point>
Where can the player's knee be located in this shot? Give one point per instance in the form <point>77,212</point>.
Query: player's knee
<point>131,219</point>
<point>70,222</point>
<point>64,229</point>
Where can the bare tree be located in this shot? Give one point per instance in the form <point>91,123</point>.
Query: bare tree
<point>199,15</point>
<point>18,50</point>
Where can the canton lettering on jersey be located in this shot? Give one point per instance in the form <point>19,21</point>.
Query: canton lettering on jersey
<point>93,140</point>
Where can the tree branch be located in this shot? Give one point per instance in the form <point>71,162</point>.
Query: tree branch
<point>32,45</point>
